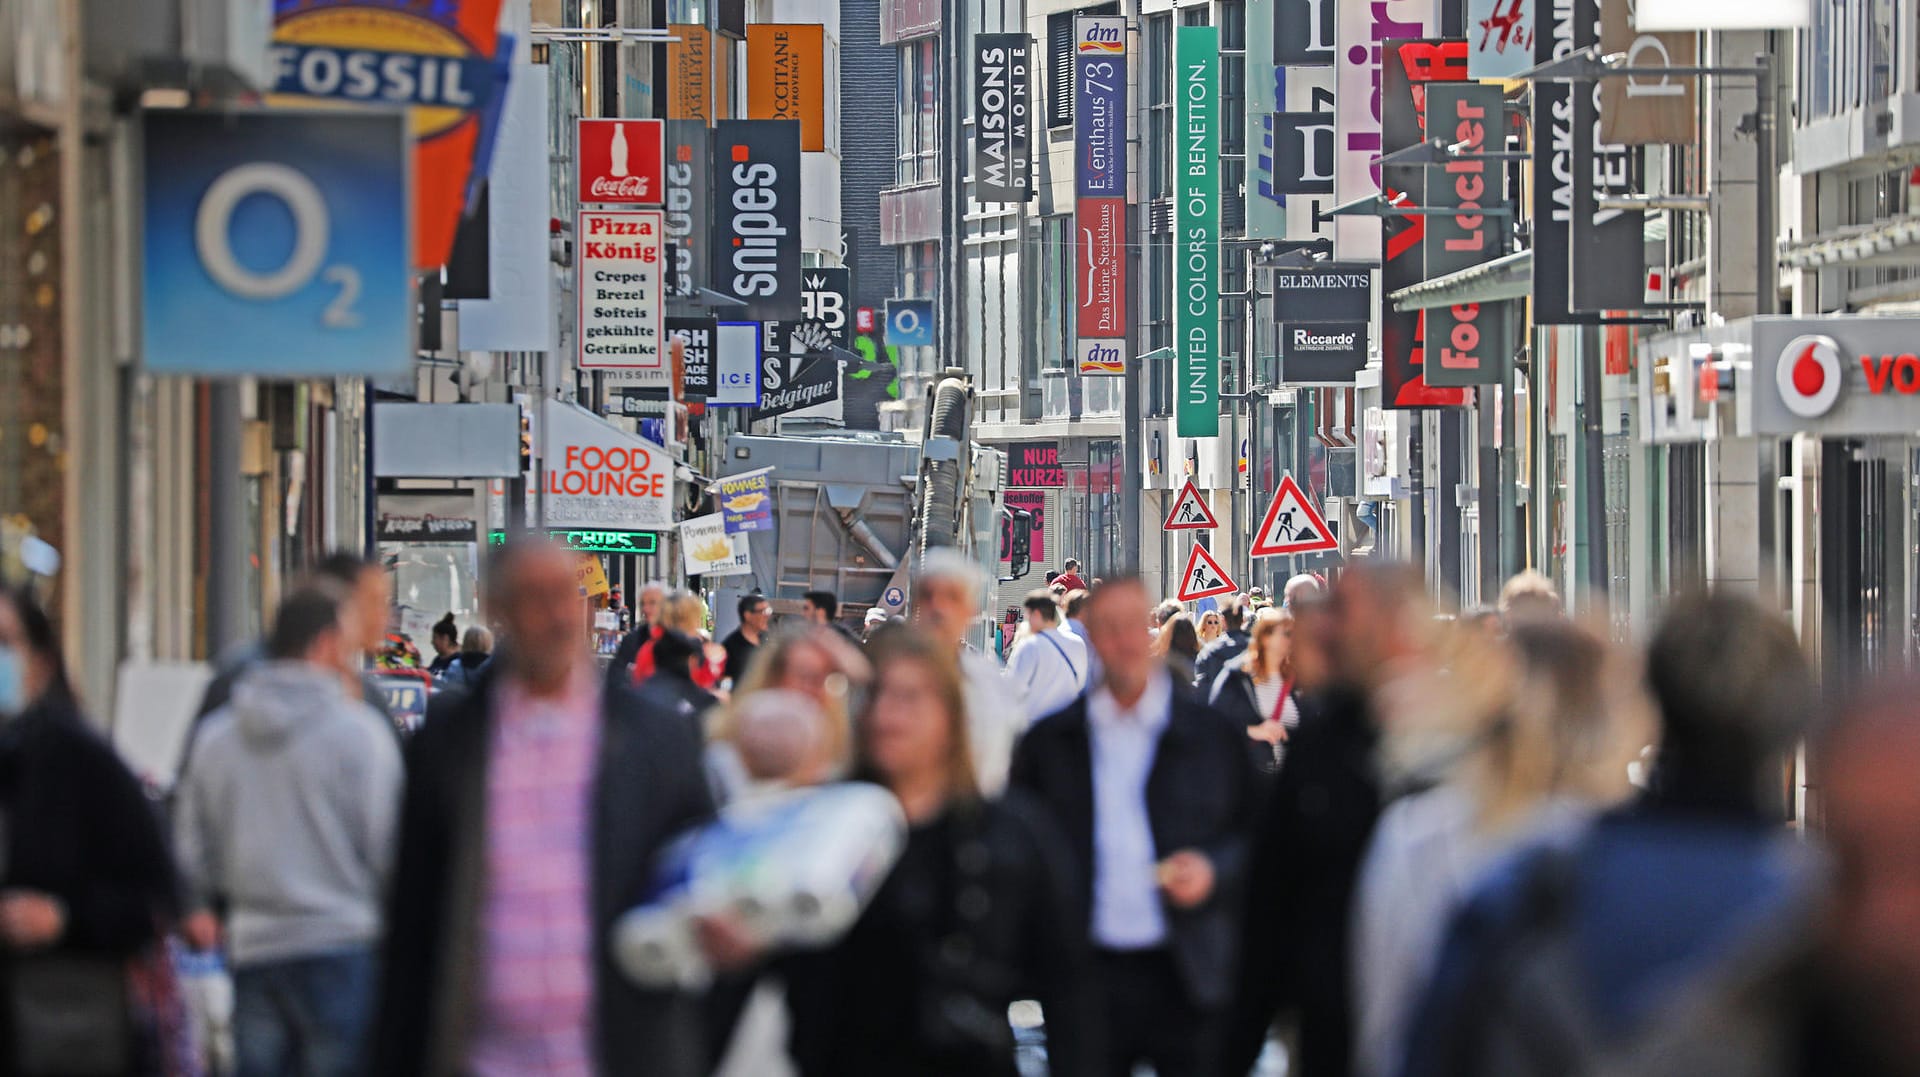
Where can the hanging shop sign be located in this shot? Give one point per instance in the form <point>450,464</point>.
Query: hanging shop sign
<point>1412,68</point>
<point>1334,292</point>
<point>1466,343</point>
<point>910,323</point>
<point>799,386</point>
<point>825,297</point>
<point>440,59</point>
<point>1035,464</point>
<point>1002,117</point>
<point>736,365</point>
<point>622,162</point>
<point>1100,192</point>
<point>1499,38</point>
<point>786,78</point>
<point>275,244</point>
<point>595,475</point>
<point>1196,277</point>
<point>755,235</point>
<point>1292,525</point>
<point>746,501</point>
<point>620,277</point>
<point>1645,109</point>
<point>1371,26</point>
<point>1322,353</point>
<point>696,337</point>
<point>687,172</point>
<point>1303,32</point>
<point>588,540</point>
<point>517,313</point>
<point>707,550</point>
<point>1839,376</point>
<point>690,73</point>
<point>427,518</point>
<point>1607,248</point>
<point>1553,129</point>
<point>1203,577</point>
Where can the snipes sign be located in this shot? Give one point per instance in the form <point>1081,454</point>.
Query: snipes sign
<point>755,242</point>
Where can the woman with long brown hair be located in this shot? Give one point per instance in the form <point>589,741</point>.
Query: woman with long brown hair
<point>977,912</point>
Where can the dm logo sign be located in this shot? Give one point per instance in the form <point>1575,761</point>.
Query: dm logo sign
<point>276,244</point>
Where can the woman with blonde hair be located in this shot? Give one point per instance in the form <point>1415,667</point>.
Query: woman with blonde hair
<point>1540,729</point>
<point>975,914</point>
<point>811,660</point>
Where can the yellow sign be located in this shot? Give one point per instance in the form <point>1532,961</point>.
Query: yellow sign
<point>786,78</point>
<point>591,576</point>
<point>689,73</point>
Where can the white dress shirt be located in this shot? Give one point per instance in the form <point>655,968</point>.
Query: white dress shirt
<point>1127,914</point>
<point>995,719</point>
<point>1050,669</point>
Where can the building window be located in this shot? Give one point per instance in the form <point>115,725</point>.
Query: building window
<point>918,101</point>
<point>1156,74</point>
<point>1056,291</point>
<point>1060,69</point>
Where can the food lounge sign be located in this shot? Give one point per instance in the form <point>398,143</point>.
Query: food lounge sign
<point>595,475</point>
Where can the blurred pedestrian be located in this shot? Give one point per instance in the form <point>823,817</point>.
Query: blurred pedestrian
<point>86,883</point>
<point>805,660</point>
<point>285,826</point>
<point>446,644</point>
<point>678,660</point>
<point>1300,586</point>
<point>1236,618</point>
<point>534,808</point>
<point>1545,726</point>
<point>874,618</point>
<point>686,613</point>
<point>947,591</point>
<point>1163,613</point>
<point>1596,954</point>
<point>1178,645</point>
<point>1153,790</point>
<point>756,616</point>
<point>823,608</point>
<point>1069,578</point>
<point>1530,596</point>
<point>476,650</point>
<point>1050,667</point>
<point>1315,825</point>
<point>653,595</point>
<point>980,910</point>
<point>1258,688</point>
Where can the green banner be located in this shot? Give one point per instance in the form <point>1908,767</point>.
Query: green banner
<point>1196,230</point>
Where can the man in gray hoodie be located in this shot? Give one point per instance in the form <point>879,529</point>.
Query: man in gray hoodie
<point>285,825</point>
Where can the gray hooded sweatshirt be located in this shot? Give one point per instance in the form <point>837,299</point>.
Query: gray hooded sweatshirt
<point>287,815</point>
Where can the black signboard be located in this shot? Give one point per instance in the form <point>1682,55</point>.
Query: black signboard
<point>698,335</point>
<point>1002,118</point>
<point>1606,247</point>
<point>687,209</point>
<point>1322,353</point>
<point>630,402</point>
<point>1467,343</point>
<point>789,383</point>
<point>1303,148</point>
<point>755,235</point>
<point>825,296</point>
<point>1035,464</point>
<point>1303,33</point>
<point>1335,292</point>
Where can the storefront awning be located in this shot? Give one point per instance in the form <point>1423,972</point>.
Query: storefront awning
<point>1895,241</point>
<point>1509,277</point>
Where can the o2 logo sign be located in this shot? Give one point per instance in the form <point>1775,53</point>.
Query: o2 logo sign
<point>910,323</point>
<point>277,244</point>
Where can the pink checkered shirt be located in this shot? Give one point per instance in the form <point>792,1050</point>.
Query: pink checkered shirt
<point>536,960</point>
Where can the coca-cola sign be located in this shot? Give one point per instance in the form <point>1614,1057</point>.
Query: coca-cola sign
<point>622,162</point>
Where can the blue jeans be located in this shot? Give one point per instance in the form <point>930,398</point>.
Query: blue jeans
<point>304,1017</point>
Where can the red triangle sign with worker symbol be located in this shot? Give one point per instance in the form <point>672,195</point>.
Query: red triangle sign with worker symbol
<point>1204,577</point>
<point>1292,525</point>
<point>1190,512</point>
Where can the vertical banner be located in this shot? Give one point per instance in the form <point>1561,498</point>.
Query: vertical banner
<point>1500,38</point>
<point>786,78</point>
<point>1303,32</point>
<point>1468,343</point>
<point>1645,109</point>
<point>620,162</point>
<point>1002,118</point>
<point>1367,26</point>
<point>1607,248</point>
<point>1552,208</point>
<point>1266,95</point>
<point>619,278</point>
<point>690,73</point>
<point>696,336</point>
<point>755,236</point>
<point>1100,192</point>
<point>688,211</point>
<point>1196,229</point>
<point>1410,68</point>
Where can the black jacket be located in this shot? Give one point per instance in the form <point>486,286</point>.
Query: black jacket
<point>1200,795</point>
<point>1215,656</point>
<point>868,1005</point>
<point>1311,839</point>
<point>650,787</point>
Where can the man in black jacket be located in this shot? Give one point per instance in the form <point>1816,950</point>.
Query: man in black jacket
<point>1314,829</point>
<point>1231,644</point>
<point>1153,790</point>
<point>535,805</point>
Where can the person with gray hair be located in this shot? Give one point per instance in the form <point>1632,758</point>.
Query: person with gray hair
<point>1305,583</point>
<point>947,591</point>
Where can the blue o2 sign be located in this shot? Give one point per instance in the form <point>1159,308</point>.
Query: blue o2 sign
<point>277,244</point>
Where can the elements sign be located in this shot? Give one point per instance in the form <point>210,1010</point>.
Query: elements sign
<point>1002,118</point>
<point>1196,278</point>
<point>1100,191</point>
<point>621,274</point>
<point>755,238</point>
<point>620,162</point>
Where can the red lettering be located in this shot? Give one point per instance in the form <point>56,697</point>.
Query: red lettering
<point>1877,373</point>
<point>1906,374</point>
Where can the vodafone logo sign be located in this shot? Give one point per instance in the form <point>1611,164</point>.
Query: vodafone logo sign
<point>1808,375</point>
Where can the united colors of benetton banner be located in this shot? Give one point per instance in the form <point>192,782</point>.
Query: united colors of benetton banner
<point>1196,244</point>
<point>1100,192</point>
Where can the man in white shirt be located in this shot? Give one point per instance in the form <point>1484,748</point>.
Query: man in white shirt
<point>947,594</point>
<point>1049,667</point>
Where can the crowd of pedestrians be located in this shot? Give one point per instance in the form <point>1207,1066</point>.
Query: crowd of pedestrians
<point>1341,829</point>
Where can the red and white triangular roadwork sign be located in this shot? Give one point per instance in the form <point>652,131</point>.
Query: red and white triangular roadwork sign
<point>1190,512</point>
<point>1292,525</point>
<point>1204,577</point>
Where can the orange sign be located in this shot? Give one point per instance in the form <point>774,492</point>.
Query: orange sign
<point>690,73</point>
<point>786,78</point>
